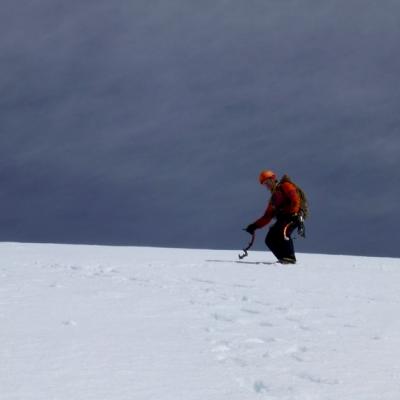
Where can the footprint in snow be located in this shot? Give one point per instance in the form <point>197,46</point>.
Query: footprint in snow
<point>296,353</point>
<point>239,362</point>
<point>299,323</point>
<point>263,303</point>
<point>305,328</point>
<point>239,285</point>
<point>104,272</point>
<point>260,387</point>
<point>317,379</point>
<point>223,318</point>
<point>69,323</point>
<point>204,281</point>
<point>250,311</point>
<point>266,324</point>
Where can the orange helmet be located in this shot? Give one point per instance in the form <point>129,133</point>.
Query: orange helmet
<point>264,175</point>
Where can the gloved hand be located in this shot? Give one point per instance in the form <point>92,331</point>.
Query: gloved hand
<point>251,229</point>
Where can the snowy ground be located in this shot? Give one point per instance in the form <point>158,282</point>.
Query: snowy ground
<point>114,323</point>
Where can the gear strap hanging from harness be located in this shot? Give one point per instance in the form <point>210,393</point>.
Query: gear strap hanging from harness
<point>244,254</point>
<point>285,229</point>
<point>301,229</point>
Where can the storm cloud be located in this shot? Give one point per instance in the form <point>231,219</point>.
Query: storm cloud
<point>147,122</point>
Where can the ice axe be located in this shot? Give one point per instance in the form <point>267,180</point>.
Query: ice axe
<point>245,254</point>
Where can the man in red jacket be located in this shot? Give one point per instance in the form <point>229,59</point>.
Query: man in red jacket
<point>284,205</point>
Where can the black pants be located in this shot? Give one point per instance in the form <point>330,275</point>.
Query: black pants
<point>279,239</point>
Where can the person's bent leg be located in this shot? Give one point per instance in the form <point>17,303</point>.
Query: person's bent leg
<point>280,243</point>
<point>273,240</point>
<point>287,253</point>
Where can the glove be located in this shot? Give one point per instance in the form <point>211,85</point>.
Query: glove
<point>251,229</point>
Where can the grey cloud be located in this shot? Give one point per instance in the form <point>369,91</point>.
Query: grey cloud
<point>147,122</point>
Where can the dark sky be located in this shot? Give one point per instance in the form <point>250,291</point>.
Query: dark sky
<point>147,122</point>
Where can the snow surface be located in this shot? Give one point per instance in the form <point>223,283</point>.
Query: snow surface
<point>125,323</point>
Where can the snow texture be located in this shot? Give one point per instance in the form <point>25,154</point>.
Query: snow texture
<point>125,323</point>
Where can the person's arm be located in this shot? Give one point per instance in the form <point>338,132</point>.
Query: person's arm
<point>264,220</point>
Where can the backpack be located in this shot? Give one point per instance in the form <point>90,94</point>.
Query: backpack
<point>304,209</point>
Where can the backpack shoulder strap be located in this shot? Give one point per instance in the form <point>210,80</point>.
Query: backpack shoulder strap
<point>303,198</point>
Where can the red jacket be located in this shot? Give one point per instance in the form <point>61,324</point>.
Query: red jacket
<point>285,200</point>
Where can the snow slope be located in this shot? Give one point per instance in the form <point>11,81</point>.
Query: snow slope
<point>125,323</point>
